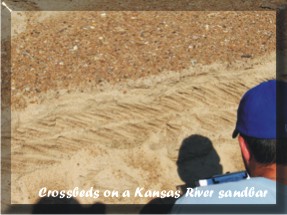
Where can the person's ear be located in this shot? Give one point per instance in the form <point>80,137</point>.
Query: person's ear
<point>244,148</point>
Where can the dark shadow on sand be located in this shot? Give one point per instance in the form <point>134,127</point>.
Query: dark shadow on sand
<point>57,205</point>
<point>197,159</point>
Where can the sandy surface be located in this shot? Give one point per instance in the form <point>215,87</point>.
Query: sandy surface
<point>93,48</point>
<point>117,140</point>
<point>104,99</point>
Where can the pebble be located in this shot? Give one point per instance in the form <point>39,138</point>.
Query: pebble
<point>96,58</point>
<point>246,56</point>
<point>193,62</point>
<point>103,15</point>
<point>120,29</point>
<point>226,41</point>
<point>88,27</point>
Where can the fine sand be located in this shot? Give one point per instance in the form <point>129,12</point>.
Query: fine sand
<point>127,135</point>
<point>107,104</point>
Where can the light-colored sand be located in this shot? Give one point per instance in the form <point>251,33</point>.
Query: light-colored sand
<point>128,135</point>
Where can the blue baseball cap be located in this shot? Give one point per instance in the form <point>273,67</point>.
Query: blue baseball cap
<point>256,114</point>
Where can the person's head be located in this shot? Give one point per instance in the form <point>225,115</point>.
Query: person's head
<point>258,131</point>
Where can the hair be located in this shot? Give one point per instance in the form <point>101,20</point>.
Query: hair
<point>263,150</point>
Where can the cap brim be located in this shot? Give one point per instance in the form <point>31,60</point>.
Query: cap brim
<point>235,133</point>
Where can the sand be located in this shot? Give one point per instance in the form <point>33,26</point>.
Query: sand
<point>121,140</point>
<point>104,99</point>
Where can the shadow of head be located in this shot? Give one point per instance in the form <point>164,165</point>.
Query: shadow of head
<point>158,206</point>
<point>197,160</point>
<point>57,205</point>
<point>65,205</point>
